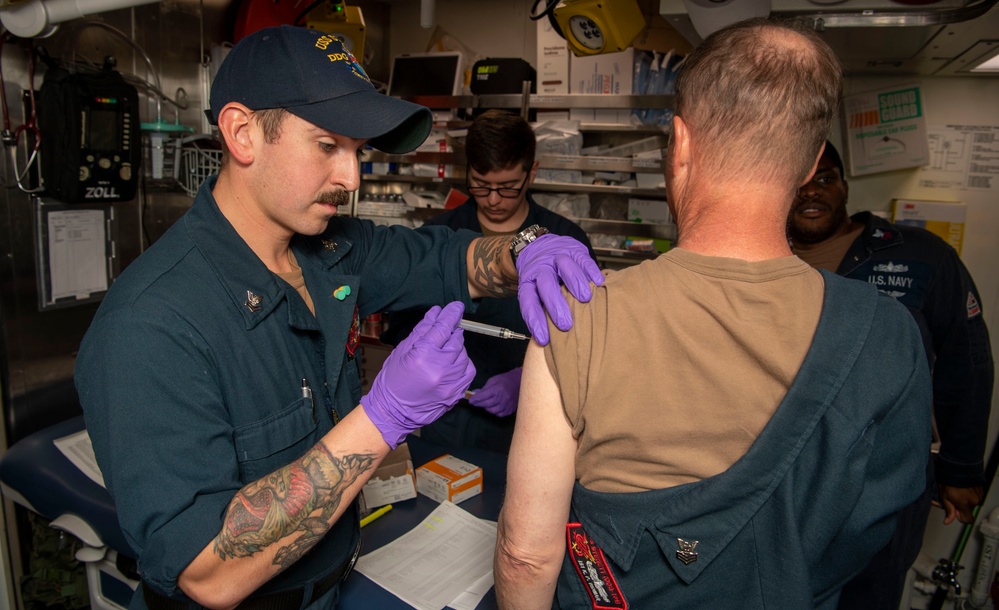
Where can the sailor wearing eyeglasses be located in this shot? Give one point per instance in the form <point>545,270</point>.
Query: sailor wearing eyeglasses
<point>499,151</point>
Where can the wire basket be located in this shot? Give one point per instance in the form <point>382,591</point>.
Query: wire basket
<point>197,164</point>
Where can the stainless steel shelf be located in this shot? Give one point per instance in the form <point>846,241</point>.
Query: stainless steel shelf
<point>624,227</point>
<point>584,163</point>
<point>567,187</point>
<point>543,102</point>
<point>619,255</point>
<point>601,164</point>
<point>410,179</point>
<point>376,156</point>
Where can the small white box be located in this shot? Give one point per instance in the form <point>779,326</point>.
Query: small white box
<point>393,480</point>
<point>602,74</point>
<point>553,61</point>
<point>449,479</point>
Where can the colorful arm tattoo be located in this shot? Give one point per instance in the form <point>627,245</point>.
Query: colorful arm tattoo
<point>301,497</point>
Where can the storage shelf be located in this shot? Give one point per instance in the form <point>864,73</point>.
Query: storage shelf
<point>601,164</point>
<point>438,158</point>
<point>624,227</point>
<point>620,255</point>
<point>619,140</point>
<point>569,187</point>
<point>584,163</point>
<point>551,187</point>
<point>543,102</point>
<point>410,179</point>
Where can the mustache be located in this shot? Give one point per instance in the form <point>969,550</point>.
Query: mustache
<point>338,197</point>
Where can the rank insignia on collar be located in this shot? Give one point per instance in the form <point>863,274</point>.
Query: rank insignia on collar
<point>329,245</point>
<point>253,301</point>
<point>686,552</point>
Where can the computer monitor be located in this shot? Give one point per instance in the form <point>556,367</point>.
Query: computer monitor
<point>419,74</point>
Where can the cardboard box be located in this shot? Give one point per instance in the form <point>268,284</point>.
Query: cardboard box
<point>553,61</point>
<point>943,218</point>
<point>393,481</point>
<point>649,210</point>
<point>660,36</point>
<point>449,479</point>
<point>602,74</point>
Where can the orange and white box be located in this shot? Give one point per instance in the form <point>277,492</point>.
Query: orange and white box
<point>449,479</point>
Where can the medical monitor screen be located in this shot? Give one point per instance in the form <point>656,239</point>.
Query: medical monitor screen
<point>102,134</point>
<point>425,74</point>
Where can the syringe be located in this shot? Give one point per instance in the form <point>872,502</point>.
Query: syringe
<point>492,331</point>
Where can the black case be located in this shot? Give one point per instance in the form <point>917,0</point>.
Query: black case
<point>74,171</point>
<point>498,75</point>
<point>501,75</point>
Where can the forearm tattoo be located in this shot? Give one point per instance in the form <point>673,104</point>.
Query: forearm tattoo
<point>301,497</point>
<point>487,257</point>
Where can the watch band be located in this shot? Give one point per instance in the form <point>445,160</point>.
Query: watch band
<point>525,237</point>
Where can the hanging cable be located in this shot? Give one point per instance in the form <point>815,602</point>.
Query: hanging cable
<point>29,127</point>
<point>549,12</point>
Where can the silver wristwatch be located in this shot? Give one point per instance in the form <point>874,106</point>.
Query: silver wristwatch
<point>520,240</point>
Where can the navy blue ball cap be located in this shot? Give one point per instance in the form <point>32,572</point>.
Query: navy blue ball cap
<point>313,76</point>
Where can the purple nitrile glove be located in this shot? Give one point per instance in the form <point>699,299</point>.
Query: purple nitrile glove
<point>541,264</point>
<point>422,378</point>
<point>499,394</point>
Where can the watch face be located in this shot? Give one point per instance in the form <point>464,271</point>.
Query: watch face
<point>586,32</point>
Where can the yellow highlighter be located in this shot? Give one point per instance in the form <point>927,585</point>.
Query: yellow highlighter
<point>378,513</point>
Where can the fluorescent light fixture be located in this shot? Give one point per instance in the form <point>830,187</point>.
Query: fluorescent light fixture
<point>989,65</point>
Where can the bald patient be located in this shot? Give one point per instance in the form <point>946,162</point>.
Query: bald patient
<point>736,467</point>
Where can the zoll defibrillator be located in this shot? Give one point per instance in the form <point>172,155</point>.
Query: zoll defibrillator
<point>89,125</point>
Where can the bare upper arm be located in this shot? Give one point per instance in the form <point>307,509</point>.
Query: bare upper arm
<point>541,467</point>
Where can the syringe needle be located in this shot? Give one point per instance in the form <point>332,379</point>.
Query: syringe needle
<point>490,330</point>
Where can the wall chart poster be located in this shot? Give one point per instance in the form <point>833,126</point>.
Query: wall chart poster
<point>886,130</point>
<point>963,157</point>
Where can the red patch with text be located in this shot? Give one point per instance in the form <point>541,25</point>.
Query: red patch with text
<point>592,568</point>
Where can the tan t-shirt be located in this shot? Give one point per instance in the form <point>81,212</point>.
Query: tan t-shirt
<point>829,254</point>
<point>297,281</point>
<point>674,367</point>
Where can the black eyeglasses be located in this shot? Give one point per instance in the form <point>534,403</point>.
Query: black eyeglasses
<point>503,191</point>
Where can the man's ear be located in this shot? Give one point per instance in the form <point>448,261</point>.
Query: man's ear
<point>236,127</point>
<point>815,166</point>
<point>681,141</point>
<point>532,174</point>
<point>678,159</point>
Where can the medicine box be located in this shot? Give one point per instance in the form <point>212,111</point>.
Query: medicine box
<point>655,211</point>
<point>553,61</point>
<point>449,479</point>
<point>393,481</point>
<point>943,218</point>
<point>602,74</point>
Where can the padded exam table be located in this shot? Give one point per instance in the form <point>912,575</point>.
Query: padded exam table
<point>35,474</point>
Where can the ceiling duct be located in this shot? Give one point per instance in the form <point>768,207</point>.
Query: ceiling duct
<point>904,37</point>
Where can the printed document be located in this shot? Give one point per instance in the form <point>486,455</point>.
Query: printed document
<point>447,560</point>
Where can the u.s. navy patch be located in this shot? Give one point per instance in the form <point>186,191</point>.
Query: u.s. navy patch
<point>592,568</point>
<point>973,308</point>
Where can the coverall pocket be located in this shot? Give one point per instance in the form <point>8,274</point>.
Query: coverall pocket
<point>273,442</point>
